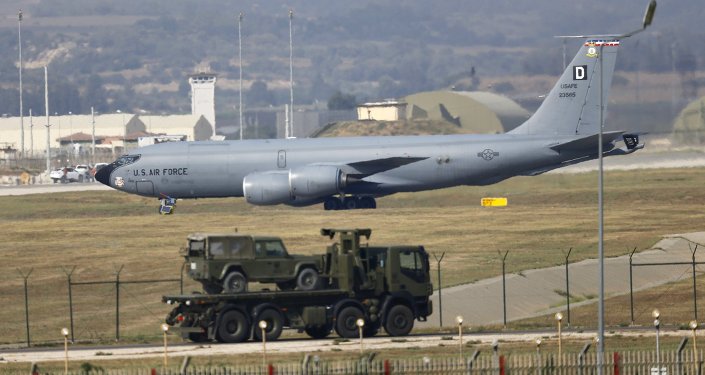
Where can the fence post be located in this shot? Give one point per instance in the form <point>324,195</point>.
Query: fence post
<point>581,358</point>
<point>184,365</point>
<point>440,301</point>
<point>117,303</point>
<point>26,301</point>
<point>567,284</point>
<point>504,285</point>
<point>471,360</point>
<point>631,287</point>
<point>68,277</point>
<point>679,355</point>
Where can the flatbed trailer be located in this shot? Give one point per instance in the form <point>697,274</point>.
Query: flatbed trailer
<point>367,288</point>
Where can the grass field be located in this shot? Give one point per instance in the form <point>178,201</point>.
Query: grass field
<point>99,231</point>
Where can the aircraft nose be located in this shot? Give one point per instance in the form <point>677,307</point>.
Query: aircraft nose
<point>103,175</point>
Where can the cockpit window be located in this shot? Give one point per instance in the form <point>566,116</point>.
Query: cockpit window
<point>126,160</point>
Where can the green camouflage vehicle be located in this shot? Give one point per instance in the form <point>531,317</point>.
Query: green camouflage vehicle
<point>227,262</point>
<point>385,287</point>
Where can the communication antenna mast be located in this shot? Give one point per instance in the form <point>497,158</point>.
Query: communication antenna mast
<point>46,108</point>
<point>239,44</point>
<point>19,35</point>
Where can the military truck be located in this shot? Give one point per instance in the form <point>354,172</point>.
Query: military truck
<point>227,262</point>
<point>385,286</point>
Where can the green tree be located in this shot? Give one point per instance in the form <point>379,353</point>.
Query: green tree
<point>340,101</point>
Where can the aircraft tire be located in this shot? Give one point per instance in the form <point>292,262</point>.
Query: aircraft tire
<point>351,203</point>
<point>233,327</point>
<point>400,321</point>
<point>367,203</point>
<point>275,324</point>
<point>235,282</point>
<point>346,323</point>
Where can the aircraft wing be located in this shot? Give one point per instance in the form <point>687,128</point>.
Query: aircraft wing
<point>364,168</point>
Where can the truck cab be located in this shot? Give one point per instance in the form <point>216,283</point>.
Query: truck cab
<point>227,262</point>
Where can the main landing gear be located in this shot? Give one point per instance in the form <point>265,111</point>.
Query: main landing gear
<point>167,205</point>
<point>349,203</point>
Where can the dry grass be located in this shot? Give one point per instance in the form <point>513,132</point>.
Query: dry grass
<point>97,231</point>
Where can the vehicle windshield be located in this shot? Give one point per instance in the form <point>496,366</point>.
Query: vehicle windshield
<point>271,248</point>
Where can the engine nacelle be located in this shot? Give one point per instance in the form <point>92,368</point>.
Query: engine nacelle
<point>316,181</point>
<point>266,188</point>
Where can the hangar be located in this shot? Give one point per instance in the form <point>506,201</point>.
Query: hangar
<point>475,111</point>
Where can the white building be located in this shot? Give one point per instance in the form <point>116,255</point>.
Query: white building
<point>390,110</point>
<point>203,96</point>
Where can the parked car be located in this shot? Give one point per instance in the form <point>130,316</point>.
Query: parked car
<point>85,170</point>
<point>66,174</point>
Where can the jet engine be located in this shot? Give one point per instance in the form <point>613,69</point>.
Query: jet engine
<point>304,183</point>
<point>266,188</point>
<point>316,181</point>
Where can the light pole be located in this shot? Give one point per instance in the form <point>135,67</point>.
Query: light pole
<point>19,35</point>
<point>360,325</point>
<point>65,333</point>
<point>459,320</point>
<point>239,44</point>
<point>657,324</point>
<point>31,134</point>
<point>263,327</point>
<point>694,326</point>
<point>559,319</point>
<point>291,72</point>
<point>46,109</point>
<point>538,354</point>
<point>165,329</point>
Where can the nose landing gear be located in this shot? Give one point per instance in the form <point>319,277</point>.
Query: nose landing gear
<point>349,203</point>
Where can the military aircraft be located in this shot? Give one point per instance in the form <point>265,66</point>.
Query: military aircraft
<point>349,173</point>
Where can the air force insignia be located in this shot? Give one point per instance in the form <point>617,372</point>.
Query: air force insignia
<point>487,154</point>
<point>592,50</point>
<point>119,182</point>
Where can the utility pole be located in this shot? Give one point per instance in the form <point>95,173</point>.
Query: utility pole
<point>239,43</point>
<point>291,73</point>
<point>46,108</point>
<point>19,34</point>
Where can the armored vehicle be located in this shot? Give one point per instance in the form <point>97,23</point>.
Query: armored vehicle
<point>228,261</point>
<point>385,286</point>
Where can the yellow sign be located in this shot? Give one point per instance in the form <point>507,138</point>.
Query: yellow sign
<point>493,202</point>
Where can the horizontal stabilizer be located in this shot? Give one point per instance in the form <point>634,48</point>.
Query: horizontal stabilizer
<point>586,143</point>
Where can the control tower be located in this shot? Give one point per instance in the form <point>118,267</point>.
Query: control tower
<point>203,96</point>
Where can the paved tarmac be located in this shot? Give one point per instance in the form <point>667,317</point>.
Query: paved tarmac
<point>534,292</point>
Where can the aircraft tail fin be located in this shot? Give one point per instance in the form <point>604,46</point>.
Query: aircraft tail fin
<point>573,105</point>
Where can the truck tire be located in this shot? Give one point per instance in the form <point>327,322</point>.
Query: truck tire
<point>318,332</point>
<point>400,321</point>
<point>275,323</point>
<point>308,279</point>
<point>346,323</point>
<point>233,327</point>
<point>235,282</point>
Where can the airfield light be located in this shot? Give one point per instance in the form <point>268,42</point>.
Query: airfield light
<point>459,320</point>
<point>65,333</point>
<point>360,324</point>
<point>165,329</point>
<point>559,320</point>
<point>263,326</point>
<point>657,324</point>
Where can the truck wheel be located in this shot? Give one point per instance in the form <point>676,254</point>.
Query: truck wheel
<point>346,323</point>
<point>308,279</point>
<point>55,180</point>
<point>400,321</point>
<point>233,327</point>
<point>235,282</point>
<point>318,332</point>
<point>275,323</point>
